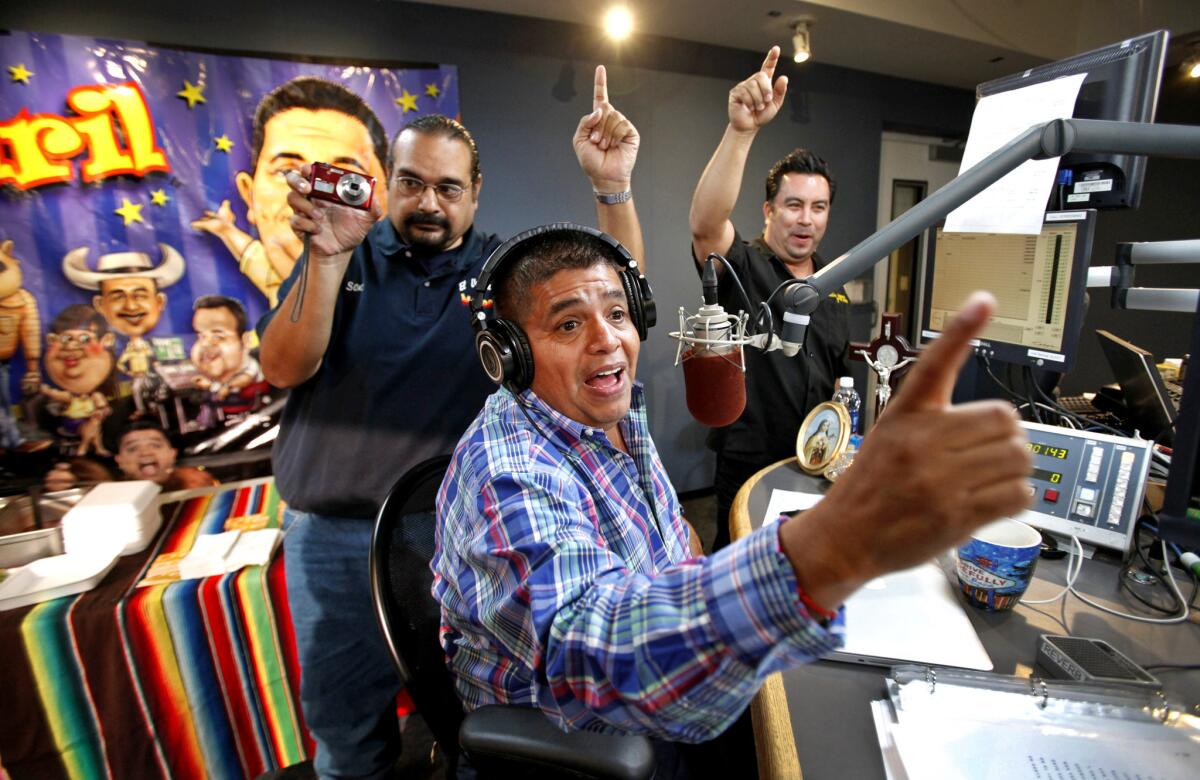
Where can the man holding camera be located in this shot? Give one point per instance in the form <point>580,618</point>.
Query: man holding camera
<point>377,311</point>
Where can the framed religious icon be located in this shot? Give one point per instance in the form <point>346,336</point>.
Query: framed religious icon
<point>823,437</point>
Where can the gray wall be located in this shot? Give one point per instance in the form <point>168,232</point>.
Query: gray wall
<point>524,85</point>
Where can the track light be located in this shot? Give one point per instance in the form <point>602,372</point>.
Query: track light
<point>802,50</point>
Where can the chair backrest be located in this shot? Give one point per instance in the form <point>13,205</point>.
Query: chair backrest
<point>408,614</point>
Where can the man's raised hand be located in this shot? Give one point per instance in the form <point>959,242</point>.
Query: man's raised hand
<point>332,229</point>
<point>606,143</point>
<point>755,101</point>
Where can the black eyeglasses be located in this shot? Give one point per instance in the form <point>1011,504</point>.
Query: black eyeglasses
<point>410,187</point>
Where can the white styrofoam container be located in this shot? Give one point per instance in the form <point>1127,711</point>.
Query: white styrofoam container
<point>56,576</point>
<point>132,496</point>
<point>122,512</point>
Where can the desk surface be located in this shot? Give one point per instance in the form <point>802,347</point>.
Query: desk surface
<point>818,717</point>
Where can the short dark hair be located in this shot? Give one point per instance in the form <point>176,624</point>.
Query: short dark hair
<point>79,316</point>
<point>234,306</point>
<point>437,124</point>
<point>143,425</point>
<point>314,94</point>
<point>539,258</point>
<point>799,161</point>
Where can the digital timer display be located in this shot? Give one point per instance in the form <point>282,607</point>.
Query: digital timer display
<point>1053,477</point>
<point>1045,449</point>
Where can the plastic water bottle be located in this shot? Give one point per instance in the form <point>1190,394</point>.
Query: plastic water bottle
<point>847,396</point>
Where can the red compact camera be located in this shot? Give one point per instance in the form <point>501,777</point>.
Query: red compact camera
<point>337,185</point>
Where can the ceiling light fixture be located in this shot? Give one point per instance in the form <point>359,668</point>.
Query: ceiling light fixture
<point>1191,66</point>
<point>618,23</point>
<point>802,49</point>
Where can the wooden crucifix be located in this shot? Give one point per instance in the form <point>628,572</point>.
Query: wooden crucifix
<point>889,355</point>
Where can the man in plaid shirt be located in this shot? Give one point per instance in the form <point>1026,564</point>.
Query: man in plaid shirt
<point>563,565</point>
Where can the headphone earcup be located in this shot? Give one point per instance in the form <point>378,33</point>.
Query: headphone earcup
<point>642,309</point>
<point>505,354</point>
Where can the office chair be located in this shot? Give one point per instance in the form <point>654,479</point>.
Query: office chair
<point>498,740</point>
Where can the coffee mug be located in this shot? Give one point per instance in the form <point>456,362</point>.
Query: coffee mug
<point>995,566</point>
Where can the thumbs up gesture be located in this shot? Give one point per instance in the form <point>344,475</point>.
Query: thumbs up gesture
<point>928,475</point>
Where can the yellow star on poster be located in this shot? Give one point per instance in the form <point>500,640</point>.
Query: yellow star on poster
<point>19,73</point>
<point>159,198</point>
<point>223,143</point>
<point>407,101</point>
<point>432,90</point>
<point>130,212</point>
<point>192,93</point>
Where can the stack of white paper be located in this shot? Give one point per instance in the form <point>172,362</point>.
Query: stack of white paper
<point>207,556</point>
<point>113,515</point>
<point>998,735</point>
<point>253,548</point>
<point>214,554</point>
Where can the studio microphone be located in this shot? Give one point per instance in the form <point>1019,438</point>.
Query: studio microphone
<point>713,367</point>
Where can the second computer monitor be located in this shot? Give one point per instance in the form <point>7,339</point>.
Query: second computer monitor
<point>1038,280</point>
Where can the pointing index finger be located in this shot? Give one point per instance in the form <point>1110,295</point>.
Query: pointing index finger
<point>600,93</point>
<point>768,66</point>
<point>931,382</point>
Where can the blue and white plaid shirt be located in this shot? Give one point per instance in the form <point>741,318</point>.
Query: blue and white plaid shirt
<point>569,588</point>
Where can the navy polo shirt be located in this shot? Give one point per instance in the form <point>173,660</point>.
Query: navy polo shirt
<point>399,382</point>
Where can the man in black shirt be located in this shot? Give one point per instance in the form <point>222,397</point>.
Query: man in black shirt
<point>780,390</point>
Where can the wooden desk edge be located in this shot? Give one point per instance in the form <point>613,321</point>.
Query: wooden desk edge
<point>773,740</point>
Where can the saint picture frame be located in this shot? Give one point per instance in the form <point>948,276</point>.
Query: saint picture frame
<point>823,436</point>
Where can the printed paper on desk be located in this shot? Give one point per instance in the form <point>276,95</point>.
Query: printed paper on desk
<point>936,745</point>
<point>788,501</point>
<point>1016,203</point>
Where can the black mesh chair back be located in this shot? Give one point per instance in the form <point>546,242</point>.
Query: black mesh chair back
<point>407,612</point>
<point>501,741</point>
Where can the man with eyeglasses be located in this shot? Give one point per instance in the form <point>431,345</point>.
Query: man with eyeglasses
<point>375,343</point>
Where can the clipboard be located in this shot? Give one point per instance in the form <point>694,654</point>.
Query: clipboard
<point>938,723</point>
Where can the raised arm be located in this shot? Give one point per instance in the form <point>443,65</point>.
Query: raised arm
<point>292,351</point>
<point>606,145</point>
<point>752,104</point>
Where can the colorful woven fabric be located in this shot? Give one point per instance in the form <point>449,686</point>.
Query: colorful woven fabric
<point>192,679</point>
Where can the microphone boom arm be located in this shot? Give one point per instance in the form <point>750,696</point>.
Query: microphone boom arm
<point>1050,139</point>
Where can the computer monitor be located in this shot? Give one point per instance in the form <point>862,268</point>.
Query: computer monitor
<point>1122,84</point>
<point>1151,409</point>
<point>1038,281</point>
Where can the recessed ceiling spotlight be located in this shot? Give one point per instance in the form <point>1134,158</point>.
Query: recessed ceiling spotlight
<point>618,22</point>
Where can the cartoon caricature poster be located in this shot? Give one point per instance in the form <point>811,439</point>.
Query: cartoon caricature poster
<point>143,185</point>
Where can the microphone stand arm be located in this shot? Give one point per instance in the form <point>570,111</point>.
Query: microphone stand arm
<point>1040,142</point>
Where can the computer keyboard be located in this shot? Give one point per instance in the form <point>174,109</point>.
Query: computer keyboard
<point>1082,406</point>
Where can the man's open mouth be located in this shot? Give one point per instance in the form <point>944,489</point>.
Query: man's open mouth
<point>606,379</point>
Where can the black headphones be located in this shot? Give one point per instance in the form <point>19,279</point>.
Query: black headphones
<point>501,344</point>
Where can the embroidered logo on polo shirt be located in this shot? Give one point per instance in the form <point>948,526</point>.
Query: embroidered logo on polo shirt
<point>352,286</point>
<point>464,297</point>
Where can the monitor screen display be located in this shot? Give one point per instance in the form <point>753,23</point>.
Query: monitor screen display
<point>1038,281</point>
